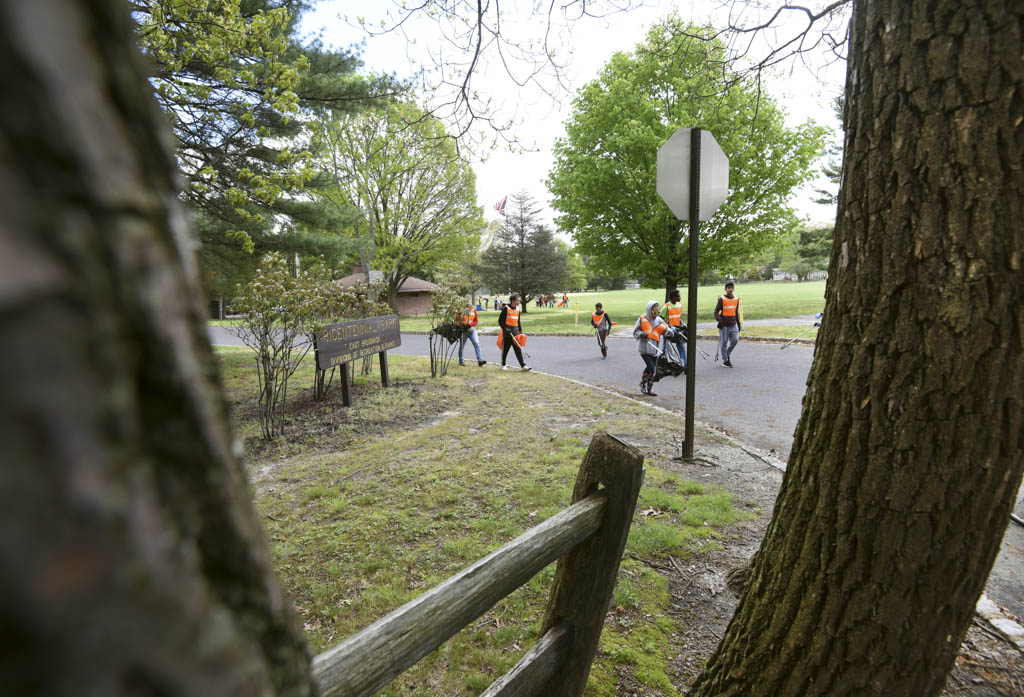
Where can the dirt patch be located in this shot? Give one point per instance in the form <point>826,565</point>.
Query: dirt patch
<point>989,665</point>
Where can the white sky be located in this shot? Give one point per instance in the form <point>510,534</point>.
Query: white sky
<point>804,94</point>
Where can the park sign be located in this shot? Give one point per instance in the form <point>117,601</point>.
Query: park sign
<point>343,343</point>
<point>673,180</point>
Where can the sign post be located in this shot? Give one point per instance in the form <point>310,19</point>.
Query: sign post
<point>682,165</point>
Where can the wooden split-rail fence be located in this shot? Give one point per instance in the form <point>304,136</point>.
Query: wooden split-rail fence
<point>587,539</point>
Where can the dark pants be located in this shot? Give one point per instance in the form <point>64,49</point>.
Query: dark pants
<point>651,362</point>
<point>507,342</point>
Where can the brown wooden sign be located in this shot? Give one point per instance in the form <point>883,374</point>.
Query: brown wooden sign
<point>343,343</point>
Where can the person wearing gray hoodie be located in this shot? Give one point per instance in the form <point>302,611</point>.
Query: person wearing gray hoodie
<point>647,331</point>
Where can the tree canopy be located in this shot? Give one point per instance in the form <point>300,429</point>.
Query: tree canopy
<point>238,89</point>
<point>415,197</point>
<point>604,177</point>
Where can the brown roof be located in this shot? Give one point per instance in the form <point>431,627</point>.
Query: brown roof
<point>411,285</point>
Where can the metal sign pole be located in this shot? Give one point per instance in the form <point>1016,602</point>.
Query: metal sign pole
<point>691,309</point>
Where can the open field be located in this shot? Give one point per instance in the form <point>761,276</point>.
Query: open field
<point>766,300</point>
<point>367,507</point>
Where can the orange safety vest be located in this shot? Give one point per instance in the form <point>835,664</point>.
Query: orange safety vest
<point>598,318</point>
<point>729,305</point>
<point>675,315</point>
<point>467,319</point>
<point>511,316</point>
<point>653,333</point>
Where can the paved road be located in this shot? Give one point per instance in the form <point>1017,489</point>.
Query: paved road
<point>757,402</point>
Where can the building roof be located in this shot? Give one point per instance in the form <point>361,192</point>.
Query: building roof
<point>411,284</point>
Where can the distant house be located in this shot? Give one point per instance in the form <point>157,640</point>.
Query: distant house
<point>778,275</point>
<point>414,296</point>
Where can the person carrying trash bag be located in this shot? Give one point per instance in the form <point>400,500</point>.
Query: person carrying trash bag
<point>648,331</point>
<point>672,312</point>
<point>511,334</point>
<point>467,321</point>
<point>602,324</point>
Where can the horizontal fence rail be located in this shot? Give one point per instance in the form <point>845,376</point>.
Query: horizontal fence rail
<point>365,662</point>
<point>537,667</point>
<point>587,539</point>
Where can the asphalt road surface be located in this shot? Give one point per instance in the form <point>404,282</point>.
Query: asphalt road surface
<point>757,402</point>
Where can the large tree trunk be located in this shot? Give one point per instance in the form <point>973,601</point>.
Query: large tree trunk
<point>908,453</point>
<point>132,559</point>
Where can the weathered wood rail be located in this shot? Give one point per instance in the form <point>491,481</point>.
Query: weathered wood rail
<point>587,539</point>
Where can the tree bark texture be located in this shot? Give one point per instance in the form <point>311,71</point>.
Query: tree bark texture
<point>131,559</point>
<point>908,453</point>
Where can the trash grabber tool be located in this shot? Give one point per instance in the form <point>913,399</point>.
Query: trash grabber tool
<point>815,325</point>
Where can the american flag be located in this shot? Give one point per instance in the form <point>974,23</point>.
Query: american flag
<point>500,206</point>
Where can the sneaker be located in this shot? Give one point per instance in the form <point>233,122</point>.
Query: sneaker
<point>727,364</point>
<point>504,367</point>
<point>526,368</point>
<point>479,363</point>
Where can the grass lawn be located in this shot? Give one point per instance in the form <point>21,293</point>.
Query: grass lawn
<point>767,300</point>
<point>367,507</point>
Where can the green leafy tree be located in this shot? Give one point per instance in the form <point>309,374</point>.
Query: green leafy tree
<point>239,90</point>
<point>604,176</point>
<point>525,257</point>
<point>415,196</point>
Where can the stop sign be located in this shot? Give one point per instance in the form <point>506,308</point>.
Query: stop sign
<point>674,174</point>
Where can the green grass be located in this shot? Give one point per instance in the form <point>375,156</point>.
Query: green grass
<point>766,300</point>
<point>367,507</point>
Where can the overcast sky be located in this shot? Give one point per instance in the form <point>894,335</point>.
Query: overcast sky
<point>803,94</point>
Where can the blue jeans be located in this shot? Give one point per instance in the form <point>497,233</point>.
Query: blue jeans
<point>471,335</point>
<point>728,337</point>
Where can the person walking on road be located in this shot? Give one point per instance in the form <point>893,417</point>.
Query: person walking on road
<point>508,320</point>
<point>647,331</point>
<point>672,312</point>
<point>467,322</point>
<point>602,323</point>
<point>729,316</point>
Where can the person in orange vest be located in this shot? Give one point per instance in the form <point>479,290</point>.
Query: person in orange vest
<point>647,331</point>
<point>508,320</point>
<point>672,312</point>
<point>729,316</point>
<point>603,324</point>
<point>467,320</point>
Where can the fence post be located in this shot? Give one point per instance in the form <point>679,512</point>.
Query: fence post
<point>585,577</point>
